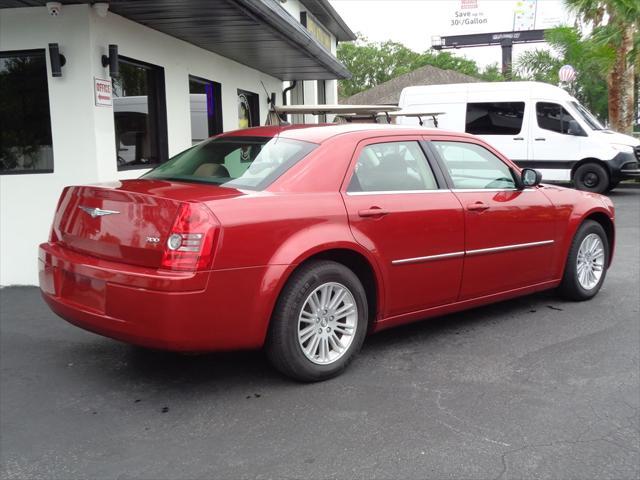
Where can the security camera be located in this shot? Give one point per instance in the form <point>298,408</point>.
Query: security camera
<point>54,8</point>
<point>101,8</point>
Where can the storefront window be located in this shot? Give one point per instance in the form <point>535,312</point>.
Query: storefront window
<point>140,115</point>
<point>206,109</point>
<point>248,109</point>
<point>25,120</point>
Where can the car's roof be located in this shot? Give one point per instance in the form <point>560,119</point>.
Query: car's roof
<point>319,133</point>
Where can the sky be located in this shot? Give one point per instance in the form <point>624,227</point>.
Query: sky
<point>415,22</point>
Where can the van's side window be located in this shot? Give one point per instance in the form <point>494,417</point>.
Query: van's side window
<point>498,118</point>
<point>554,117</point>
<point>471,166</point>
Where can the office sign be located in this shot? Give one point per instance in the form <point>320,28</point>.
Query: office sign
<point>102,92</point>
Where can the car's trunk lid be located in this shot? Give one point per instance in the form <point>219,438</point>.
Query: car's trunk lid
<point>127,221</point>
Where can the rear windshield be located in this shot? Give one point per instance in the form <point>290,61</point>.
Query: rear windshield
<point>239,162</point>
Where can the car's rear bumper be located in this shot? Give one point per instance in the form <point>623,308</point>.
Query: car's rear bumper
<point>203,311</point>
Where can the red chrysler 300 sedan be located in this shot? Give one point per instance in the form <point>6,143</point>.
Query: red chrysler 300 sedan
<point>304,239</point>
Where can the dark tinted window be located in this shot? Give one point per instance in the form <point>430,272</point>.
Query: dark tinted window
<point>502,118</point>
<point>471,166</point>
<point>140,115</point>
<point>392,166</point>
<point>25,122</point>
<point>205,99</point>
<point>239,162</point>
<point>554,117</point>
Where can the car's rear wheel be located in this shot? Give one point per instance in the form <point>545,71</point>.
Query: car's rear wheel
<point>591,177</point>
<point>587,262</point>
<point>319,322</point>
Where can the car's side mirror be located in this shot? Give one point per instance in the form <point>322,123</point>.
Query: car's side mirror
<point>530,177</point>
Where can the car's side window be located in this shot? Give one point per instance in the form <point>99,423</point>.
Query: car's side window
<point>471,166</point>
<point>392,166</point>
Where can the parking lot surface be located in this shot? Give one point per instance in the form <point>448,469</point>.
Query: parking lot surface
<point>533,387</point>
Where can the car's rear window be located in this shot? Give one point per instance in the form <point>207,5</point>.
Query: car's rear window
<point>239,162</point>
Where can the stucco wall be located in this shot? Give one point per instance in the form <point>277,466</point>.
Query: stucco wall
<point>83,134</point>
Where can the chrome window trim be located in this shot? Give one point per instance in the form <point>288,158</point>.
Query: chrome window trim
<point>477,190</point>
<point>397,192</point>
<point>441,190</point>
<point>480,251</point>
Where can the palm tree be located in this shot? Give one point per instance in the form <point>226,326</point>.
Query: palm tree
<point>591,61</point>
<point>615,26</point>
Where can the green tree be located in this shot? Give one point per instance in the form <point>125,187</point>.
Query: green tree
<point>373,63</point>
<point>590,59</point>
<point>615,29</point>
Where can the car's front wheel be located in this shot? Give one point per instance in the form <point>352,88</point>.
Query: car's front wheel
<point>319,322</point>
<point>587,262</point>
<point>591,177</point>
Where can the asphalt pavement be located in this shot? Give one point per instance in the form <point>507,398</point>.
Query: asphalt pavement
<point>530,388</point>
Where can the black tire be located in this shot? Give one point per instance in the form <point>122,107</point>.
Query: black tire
<point>613,185</point>
<point>570,288</point>
<point>591,177</point>
<point>282,346</point>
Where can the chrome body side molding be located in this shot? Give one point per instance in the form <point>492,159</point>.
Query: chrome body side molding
<point>428,258</point>
<point>480,251</point>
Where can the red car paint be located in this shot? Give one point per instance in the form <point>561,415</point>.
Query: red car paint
<point>103,275</point>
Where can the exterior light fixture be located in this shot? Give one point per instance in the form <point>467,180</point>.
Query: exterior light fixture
<point>57,60</point>
<point>111,61</point>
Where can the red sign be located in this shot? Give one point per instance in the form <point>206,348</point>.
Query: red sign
<point>102,92</point>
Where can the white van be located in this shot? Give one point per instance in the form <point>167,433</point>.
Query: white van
<point>535,124</point>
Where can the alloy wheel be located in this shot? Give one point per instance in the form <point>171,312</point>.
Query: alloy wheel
<point>590,264</point>
<point>327,323</point>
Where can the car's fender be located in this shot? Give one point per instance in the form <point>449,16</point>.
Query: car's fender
<point>312,242</point>
<point>573,207</point>
<point>297,249</point>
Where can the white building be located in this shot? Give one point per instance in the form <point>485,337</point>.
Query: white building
<point>186,70</point>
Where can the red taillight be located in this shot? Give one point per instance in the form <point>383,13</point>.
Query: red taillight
<point>189,246</point>
<point>53,236</point>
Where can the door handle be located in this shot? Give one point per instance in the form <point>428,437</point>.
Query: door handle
<point>372,212</point>
<point>518,138</point>
<point>477,207</point>
<point>540,139</point>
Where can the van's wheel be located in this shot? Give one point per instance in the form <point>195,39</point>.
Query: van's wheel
<point>591,177</point>
<point>319,322</point>
<point>587,262</point>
